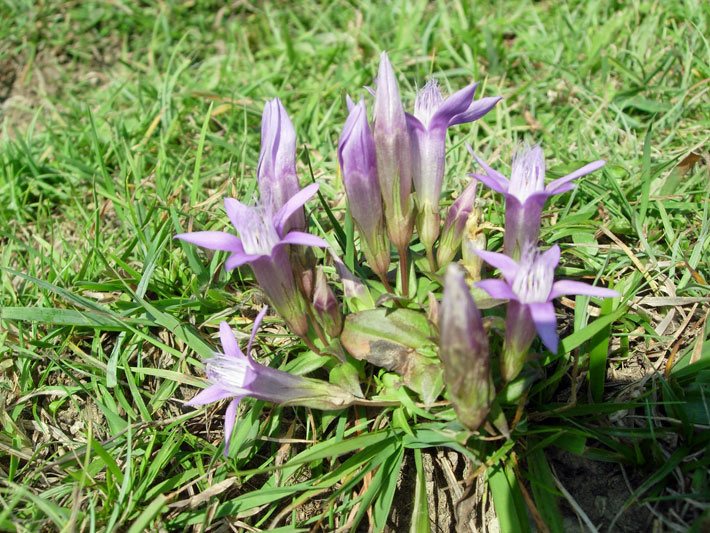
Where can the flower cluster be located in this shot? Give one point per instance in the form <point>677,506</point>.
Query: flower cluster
<point>393,170</point>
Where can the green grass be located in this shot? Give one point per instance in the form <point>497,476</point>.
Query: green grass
<point>123,126</point>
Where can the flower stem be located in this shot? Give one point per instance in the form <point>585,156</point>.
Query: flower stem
<point>316,326</point>
<point>386,283</point>
<point>309,343</point>
<point>433,267</point>
<point>404,270</point>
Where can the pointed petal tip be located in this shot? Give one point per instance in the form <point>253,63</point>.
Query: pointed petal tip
<point>497,288</point>
<point>230,346</point>
<point>507,266</point>
<point>255,328</point>
<point>568,287</point>
<point>211,394</point>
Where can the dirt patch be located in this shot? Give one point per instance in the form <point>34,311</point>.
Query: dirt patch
<point>600,491</point>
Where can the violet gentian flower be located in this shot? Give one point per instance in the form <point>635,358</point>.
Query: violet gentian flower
<point>234,375</point>
<point>463,349</point>
<point>358,163</point>
<point>455,225</point>
<point>276,171</point>
<point>262,244</point>
<point>530,288</point>
<point>525,195</point>
<point>433,115</point>
<point>394,163</point>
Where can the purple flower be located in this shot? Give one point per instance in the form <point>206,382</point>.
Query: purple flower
<point>234,375</point>
<point>525,195</point>
<point>455,225</point>
<point>358,163</point>
<point>463,349</point>
<point>530,287</point>
<point>394,164</point>
<point>432,117</point>
<point>276,171</point>
<point>262,243</point>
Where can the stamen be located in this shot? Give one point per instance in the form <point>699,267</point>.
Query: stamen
<point>528,173</point>
<point>230,373</point>
<point>258,233</point>
<point>427,102</point>
<point>534,280</point>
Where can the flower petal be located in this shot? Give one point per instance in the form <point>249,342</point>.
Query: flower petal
<point>350,104</point>
<point>211,394</point>
<point>537,198</point>
<point>497,288</point>
<point>230,346</point>
<point>304,239</point>
<point>551,257</point>
<point>554,186</point>
<point>543,314</point>
<point>490,182</point>
<point>255,328</point>
<point>238,259</point>
<point>507,266</point>
<point>454,105</point>
<point>565,187</point>
<point>494,174</point>
<point>213,240</point>
<point>414,124</point>
<point>568,287</point>
<point>476,110</point>
<point>230,417</point>
<point>294,204</point>
<point>237,212</point>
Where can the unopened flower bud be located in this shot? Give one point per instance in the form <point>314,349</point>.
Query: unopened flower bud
<point>463,349</point>
<point>455,225</point>
<point>326,305</point>
<point>358,163</point>
<point>276,171</point>
<point>394,163</point>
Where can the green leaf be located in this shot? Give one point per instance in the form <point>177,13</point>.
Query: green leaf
<point>645,176</point>
<point>598,351</point>
<point>586,240</point>
<point>583,335</point>
<point>198,157</point>
<point>143,522</point>
<point>507,499</point>
<point>420,509</point>
<point>386,481</point>
<point>68,317</point>
<point>347,376</point>
<point>543,489</point>
<point>396,340</point>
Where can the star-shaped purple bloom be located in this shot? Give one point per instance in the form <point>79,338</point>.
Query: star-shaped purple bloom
<point>526,193</point>
<point>263,244</point>
<point>233,375</point>
<point>433,115</point>
<point>530,287</point>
